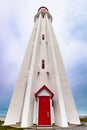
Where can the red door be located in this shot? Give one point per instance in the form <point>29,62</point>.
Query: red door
<point>44,116</point>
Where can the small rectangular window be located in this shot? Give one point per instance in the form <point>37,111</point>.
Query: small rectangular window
<point>43,16</point>
<point>42,36</point>
<point>43,64</point>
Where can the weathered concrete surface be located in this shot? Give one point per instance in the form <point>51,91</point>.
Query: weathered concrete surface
<point>80,127</point>
<point>73,128</point>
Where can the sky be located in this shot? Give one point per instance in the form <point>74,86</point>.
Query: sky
<point>70,26</point>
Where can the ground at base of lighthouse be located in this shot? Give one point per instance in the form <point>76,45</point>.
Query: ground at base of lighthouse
<point>54,127</point>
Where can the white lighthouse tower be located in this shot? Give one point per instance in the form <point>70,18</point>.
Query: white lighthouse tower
<point>42,95</point>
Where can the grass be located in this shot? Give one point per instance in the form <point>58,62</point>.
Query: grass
<point>83,119</point>
<point>7,127</point>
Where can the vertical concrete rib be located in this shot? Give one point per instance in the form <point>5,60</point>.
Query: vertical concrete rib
<point>15,109</point>
<point>63,118</point>
<point>27,117</point>
<point>72,115</point>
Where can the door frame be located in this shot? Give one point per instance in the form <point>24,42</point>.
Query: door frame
<point>43,91</point>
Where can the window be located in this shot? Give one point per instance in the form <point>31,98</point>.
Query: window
<point>43,16</point>
<point>42,36</point>
<point>43,64</point>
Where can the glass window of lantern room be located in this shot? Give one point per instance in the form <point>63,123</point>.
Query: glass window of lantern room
<point>43,64</point>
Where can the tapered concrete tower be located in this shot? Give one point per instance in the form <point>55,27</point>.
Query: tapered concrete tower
<point>42,95</point>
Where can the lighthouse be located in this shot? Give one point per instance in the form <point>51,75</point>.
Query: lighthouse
<point>42,95</point>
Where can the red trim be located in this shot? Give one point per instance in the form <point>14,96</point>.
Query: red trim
<point>44,87</point>
<point>42,7</point>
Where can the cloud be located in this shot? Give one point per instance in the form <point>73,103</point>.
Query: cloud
<point>74,53</point>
